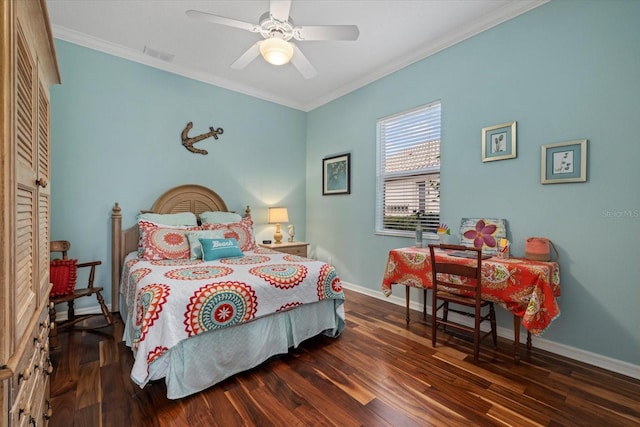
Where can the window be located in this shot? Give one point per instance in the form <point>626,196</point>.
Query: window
<point>408,171</point>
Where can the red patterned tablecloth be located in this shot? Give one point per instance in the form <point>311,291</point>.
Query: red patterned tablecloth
<point>526,288</point>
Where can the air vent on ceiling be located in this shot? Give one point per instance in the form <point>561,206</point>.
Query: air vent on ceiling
<point>164,56</point>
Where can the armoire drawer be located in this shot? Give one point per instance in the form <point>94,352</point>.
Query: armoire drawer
<point>32,406</point>
<point>31,375</point>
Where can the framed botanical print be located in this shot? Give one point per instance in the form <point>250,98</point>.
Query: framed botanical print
<point>564,162</point>
<point>499,142</point>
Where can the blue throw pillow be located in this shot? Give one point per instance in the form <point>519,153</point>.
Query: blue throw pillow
<point>195,248</point>
<point>220,248</point>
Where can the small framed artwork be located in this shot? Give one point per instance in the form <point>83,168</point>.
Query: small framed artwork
<point>336,175</point>
<point>564,162</point>
<point>499,142</point>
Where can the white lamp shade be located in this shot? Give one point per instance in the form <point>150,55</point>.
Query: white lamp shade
<point>278,215</point>
<point>276,51</point>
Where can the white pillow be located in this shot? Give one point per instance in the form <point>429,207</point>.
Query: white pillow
<point>195,247</point>
<point>181,219</point>
<point>211,217</point>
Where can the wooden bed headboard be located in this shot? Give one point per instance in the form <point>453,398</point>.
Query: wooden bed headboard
<point>183,198</point>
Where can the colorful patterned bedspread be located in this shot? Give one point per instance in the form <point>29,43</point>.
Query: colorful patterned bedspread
<point>171,300</point>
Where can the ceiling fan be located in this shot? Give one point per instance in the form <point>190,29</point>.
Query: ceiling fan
<point>277,29</point>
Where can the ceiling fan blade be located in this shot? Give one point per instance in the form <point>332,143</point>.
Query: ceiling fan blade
<point>326,32</point>
<point>279,9</point>
<point>208,17</point>
<point>302,64</point>
<point>245,59</point>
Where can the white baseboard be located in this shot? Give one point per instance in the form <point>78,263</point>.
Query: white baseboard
<point>62,315</point>
<point>574,353</point>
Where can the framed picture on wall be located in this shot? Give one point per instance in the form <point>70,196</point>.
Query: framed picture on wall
<point>336,175</point>
<point>499,142</point>
<point>564,162</point>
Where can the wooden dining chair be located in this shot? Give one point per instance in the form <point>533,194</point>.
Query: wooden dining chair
<point>459,284</point>
<point>63,274</point>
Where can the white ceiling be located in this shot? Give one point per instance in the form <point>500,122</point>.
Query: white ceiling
<point>393,34</point>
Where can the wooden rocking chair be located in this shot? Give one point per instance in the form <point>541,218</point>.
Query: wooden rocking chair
<point>63,246</point>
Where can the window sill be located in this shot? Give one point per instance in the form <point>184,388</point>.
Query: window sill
<point>426,236</point>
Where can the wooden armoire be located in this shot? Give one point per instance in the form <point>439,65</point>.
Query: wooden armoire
<point>28,66</point>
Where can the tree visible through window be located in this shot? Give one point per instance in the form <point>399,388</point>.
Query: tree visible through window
<point>408,170</point>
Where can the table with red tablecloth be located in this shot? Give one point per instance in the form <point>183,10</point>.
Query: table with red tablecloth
<point>526,288</point>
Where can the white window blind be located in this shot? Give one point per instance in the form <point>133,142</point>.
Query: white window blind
<point>408,171</point>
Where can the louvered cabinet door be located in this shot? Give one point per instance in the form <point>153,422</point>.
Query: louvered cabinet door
<point>43,191</point>
<point>26,191</point>
<point>28,67</point>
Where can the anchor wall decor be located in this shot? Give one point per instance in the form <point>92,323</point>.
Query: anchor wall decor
<point>188,141</point>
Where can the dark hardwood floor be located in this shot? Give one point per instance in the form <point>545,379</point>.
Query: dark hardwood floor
<point>378,373</point>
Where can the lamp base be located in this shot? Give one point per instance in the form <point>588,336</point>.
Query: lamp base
<point>277,237</point>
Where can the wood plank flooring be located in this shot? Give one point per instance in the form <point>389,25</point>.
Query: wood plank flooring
<point>378,373</point>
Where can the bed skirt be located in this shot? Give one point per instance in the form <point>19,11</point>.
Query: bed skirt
<point>204,360</point>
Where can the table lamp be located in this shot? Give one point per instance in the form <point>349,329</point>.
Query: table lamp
<point>276,216</point>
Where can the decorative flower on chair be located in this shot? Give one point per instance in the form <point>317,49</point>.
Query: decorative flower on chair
<point>482,235</point>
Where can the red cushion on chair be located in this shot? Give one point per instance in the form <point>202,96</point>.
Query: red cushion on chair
<point>63,274</point>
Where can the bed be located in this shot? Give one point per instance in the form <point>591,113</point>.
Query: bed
<point>195,322</point>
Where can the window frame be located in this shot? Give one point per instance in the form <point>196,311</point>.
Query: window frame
<point>412,209</point>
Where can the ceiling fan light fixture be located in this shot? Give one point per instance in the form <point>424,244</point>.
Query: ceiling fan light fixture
<point>276,51</point>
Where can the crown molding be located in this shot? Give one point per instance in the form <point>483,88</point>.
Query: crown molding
<point>100,45</point>
<point>509,11</point>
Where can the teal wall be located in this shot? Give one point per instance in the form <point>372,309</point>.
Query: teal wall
<point>563,71</point>
<point>566,70</point>
<point>115,131</point>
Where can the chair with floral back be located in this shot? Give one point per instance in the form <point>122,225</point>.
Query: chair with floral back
<point>483,233</point>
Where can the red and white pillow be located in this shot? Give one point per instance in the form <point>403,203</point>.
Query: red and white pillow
<point>242,231</point>
<point>159,241</point>
<point>163,241</point>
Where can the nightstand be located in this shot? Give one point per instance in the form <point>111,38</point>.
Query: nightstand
<point>293,248</point>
